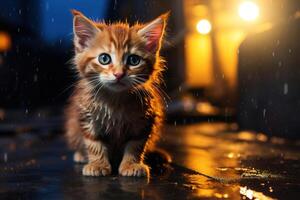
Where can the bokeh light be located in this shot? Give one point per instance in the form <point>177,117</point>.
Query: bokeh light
<point>5,41</point>
<point>203,26</point>
<point>248,11</point>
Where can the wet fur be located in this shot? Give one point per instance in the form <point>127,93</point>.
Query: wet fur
<point>114,129</point>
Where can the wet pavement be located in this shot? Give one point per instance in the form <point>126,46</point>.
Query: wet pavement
<point>210,161</point>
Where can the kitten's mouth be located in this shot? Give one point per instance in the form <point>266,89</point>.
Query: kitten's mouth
<point>117,85</point>
<point>120,83</point>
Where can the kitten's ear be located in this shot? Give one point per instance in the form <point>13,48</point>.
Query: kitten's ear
<point>153,32</point>
<point>84,30</point>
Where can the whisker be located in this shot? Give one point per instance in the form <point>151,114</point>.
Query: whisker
<point>69,87</point>
<point>101,86</point>
<point>136,90</point>
<point>158,90</point>
<point>145,92</point>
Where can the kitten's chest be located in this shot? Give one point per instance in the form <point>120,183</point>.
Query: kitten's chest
<point>119,123</point>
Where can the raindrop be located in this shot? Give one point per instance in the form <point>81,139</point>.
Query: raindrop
<point>273,54</point>
<point>279,64</point>
<point>290,50</point>
<point>47,6</point>
<point>285,89</point>
<point>5,158</point>
<point>35,78</point>
<point>264,112</point>
<point>115,4</point>
<point>20,12</point>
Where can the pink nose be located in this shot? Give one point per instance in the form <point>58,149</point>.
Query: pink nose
<point>119,75</point>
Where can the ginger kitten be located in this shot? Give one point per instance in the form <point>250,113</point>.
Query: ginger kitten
<point>116,110</point>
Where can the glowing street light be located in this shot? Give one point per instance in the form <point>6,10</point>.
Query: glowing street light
<point>248,11</point>
<point>203,26</point>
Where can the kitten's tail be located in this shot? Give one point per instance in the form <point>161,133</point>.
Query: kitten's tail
<point>159,161</point>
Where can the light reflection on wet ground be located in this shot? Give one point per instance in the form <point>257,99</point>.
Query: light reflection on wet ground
<point>209,162</point>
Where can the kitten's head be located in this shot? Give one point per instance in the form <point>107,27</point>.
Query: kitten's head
<point>118,57</point>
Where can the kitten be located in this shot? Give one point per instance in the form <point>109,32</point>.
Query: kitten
<point>116,110</point>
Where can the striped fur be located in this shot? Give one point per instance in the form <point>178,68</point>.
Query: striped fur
<point>108,123</point>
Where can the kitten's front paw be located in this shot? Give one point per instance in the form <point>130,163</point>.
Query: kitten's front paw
<point>134,169</point>
<point>96,169</point>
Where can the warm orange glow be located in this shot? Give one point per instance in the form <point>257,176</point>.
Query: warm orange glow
<point>203,26</point>
<point>5,41</point>
<point>205,159</point>
<point>248,11</point>
<point>206,108</point>
<point>198,60</point>
<point>228,42</point>
<point>212,57</point>
<point>197,47</point>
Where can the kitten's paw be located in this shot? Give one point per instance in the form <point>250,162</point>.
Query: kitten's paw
<point>134,169</point>
<point>96,169</point>
<point>79,157</point>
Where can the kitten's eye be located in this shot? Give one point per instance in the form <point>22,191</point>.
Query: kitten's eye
<point>104,59</point>
<point>133,60</point>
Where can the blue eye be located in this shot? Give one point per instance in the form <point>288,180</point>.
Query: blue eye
<point>133,60</point>
<point>104,59</point>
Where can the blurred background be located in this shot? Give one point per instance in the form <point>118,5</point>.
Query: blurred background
<point>228,60</point>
